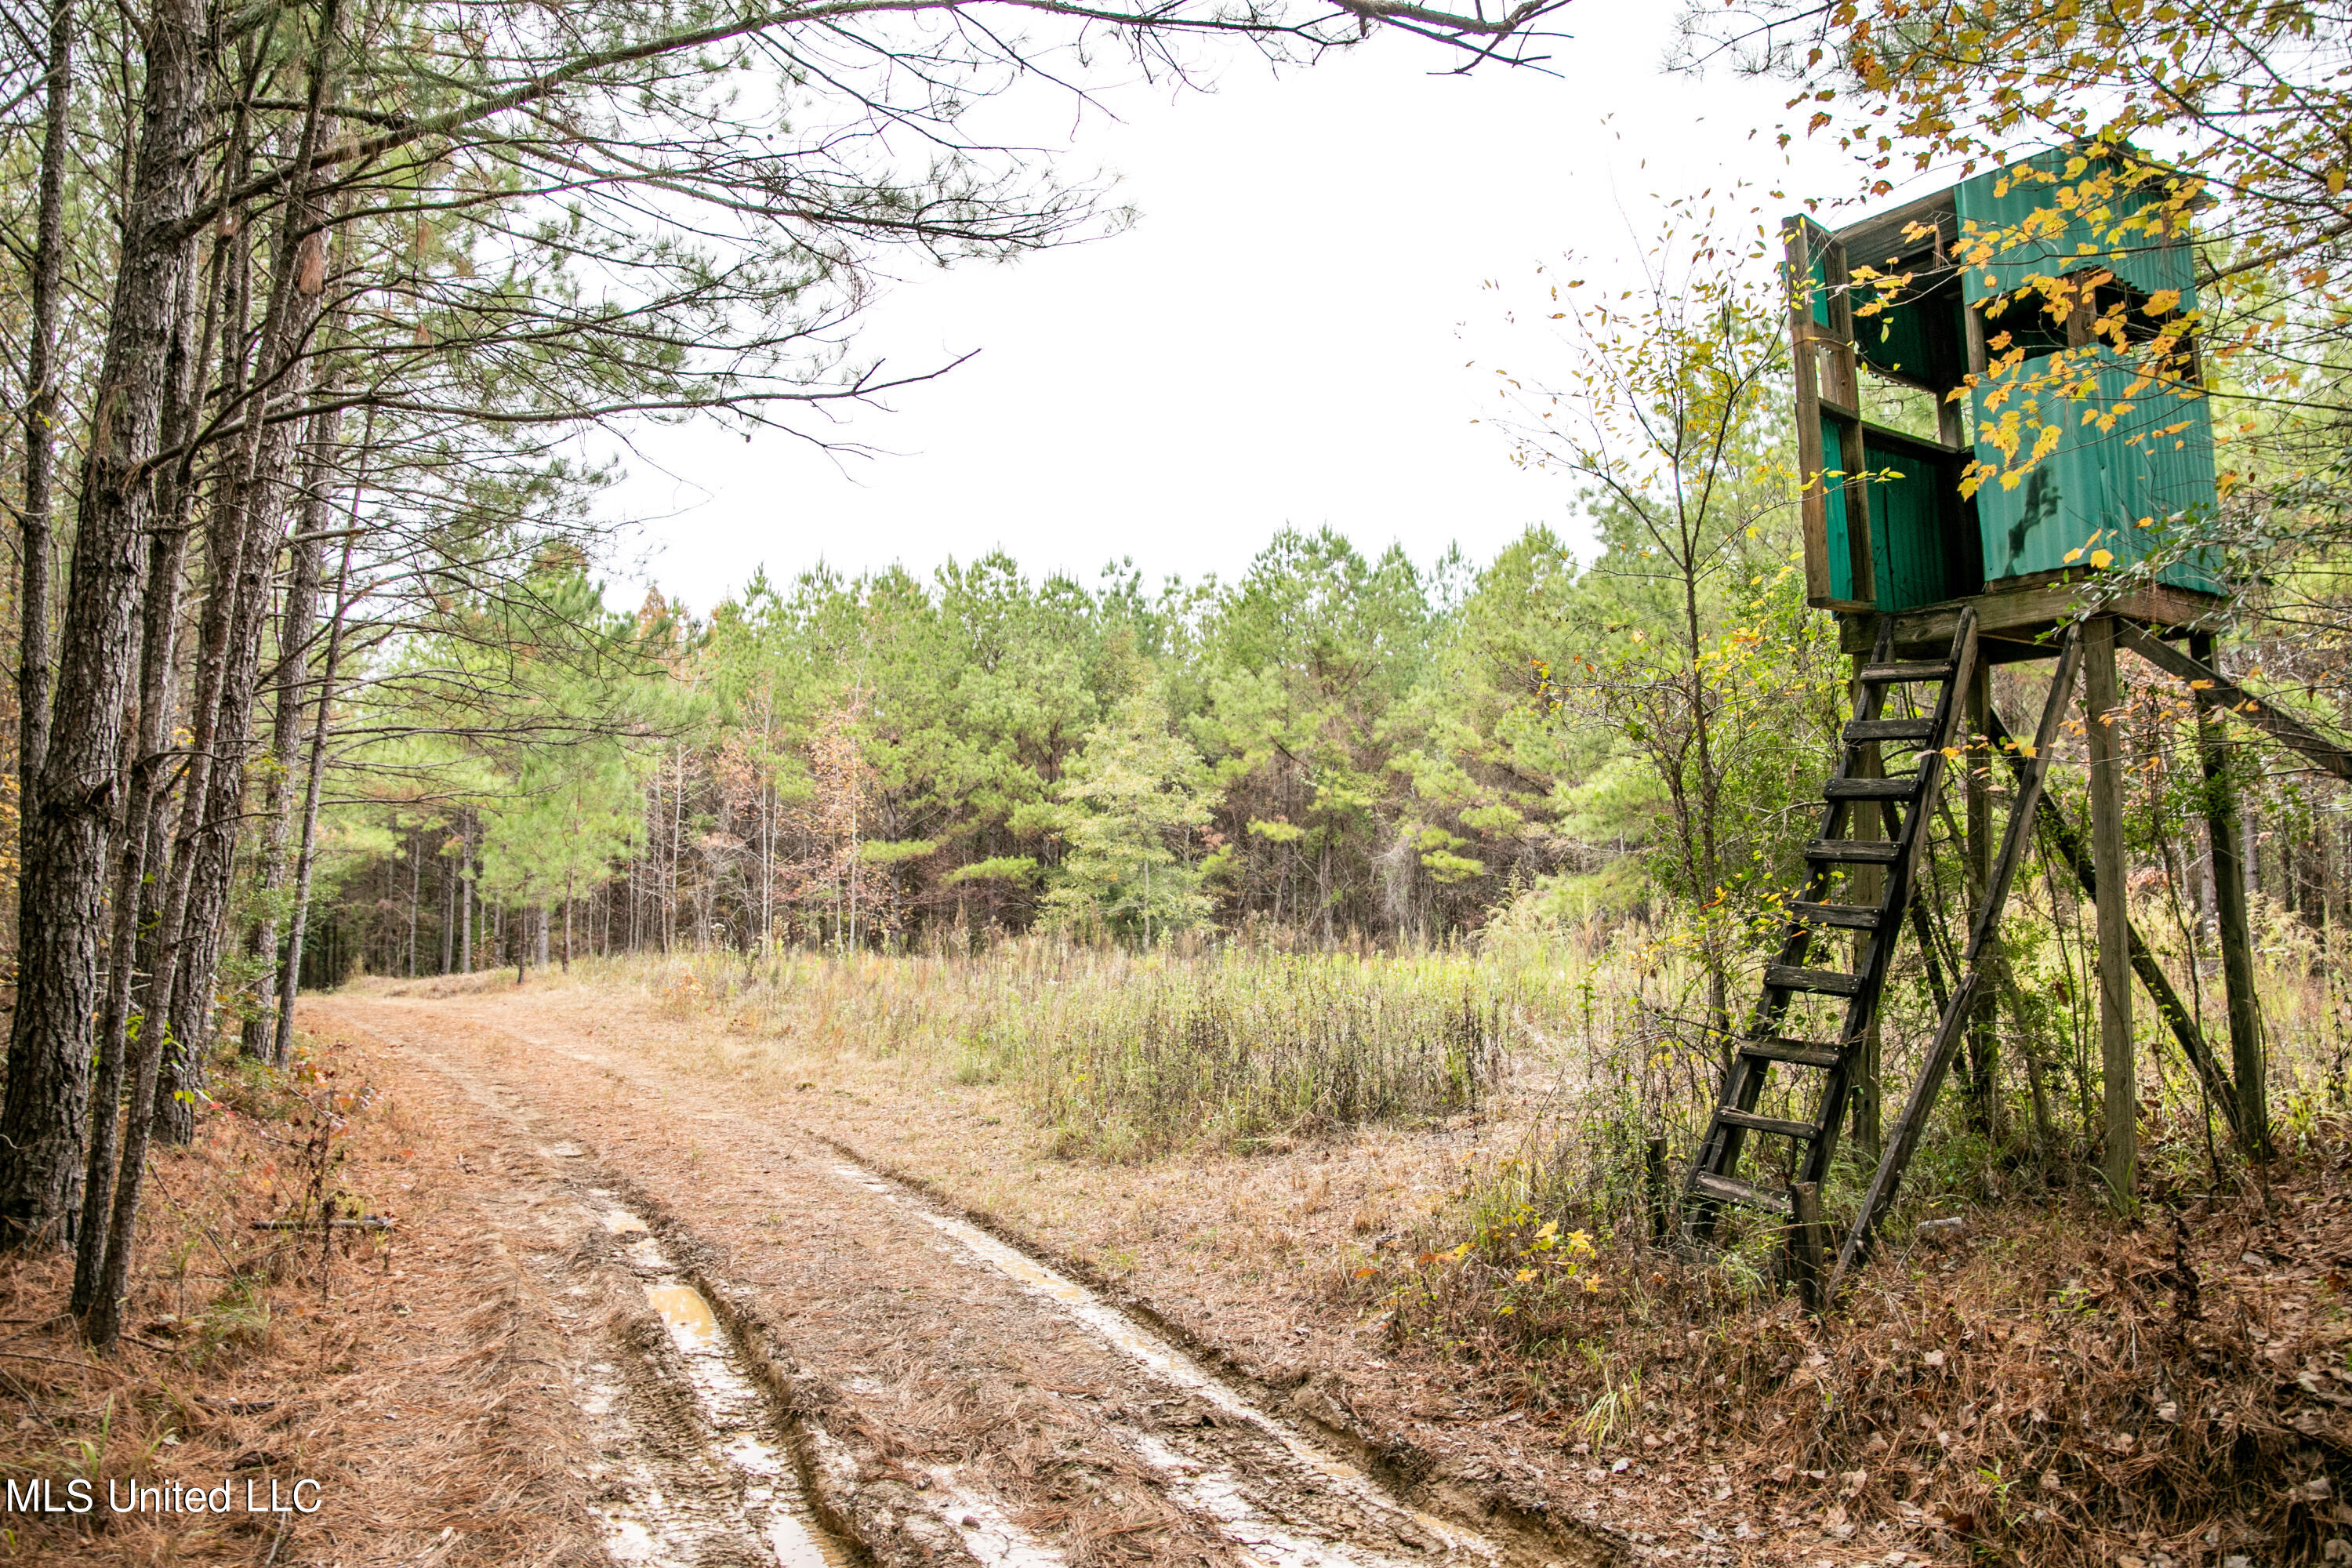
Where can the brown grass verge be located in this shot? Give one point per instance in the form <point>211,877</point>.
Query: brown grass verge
<point>2054,1386</point>
<point>409,1378</point>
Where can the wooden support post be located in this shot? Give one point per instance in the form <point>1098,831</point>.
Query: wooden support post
<point>2224,834</point>
<point>1813,461</point>
<point>1661,1198</point>
<point>2119,1073</point>
<point>1841,383</point>
<point>1808,1264</point>
<point>1984,1078</point>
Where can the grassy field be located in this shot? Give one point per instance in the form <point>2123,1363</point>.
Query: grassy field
<point>1125,1057</point>
<point>1578,1044</point>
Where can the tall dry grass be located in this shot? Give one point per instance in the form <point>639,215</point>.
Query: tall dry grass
<point>1126,1056</point>
<point>1582,1042</point>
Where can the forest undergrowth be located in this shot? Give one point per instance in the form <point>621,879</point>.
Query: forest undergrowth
<point>2044,1382</point>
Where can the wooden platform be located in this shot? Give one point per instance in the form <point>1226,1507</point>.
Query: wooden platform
<point>2017,618</point>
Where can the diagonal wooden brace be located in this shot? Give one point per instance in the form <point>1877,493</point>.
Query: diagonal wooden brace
<point>1908,1128</point>
<point>2218,690</point>
<point>2069,844</point>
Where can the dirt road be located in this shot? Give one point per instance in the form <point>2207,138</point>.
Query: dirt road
<point>780,1355</point>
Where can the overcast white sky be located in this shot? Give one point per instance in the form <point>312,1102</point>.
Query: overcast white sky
<point>1281,338</point>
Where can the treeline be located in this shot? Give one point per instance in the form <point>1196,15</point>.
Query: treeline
<point>1332,750</point>
<point>1332,747</point>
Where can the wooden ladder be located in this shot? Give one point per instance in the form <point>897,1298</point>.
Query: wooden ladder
<point>1907,802</point>
<point>1980,959</point>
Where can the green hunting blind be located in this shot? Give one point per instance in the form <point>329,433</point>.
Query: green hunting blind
<point>2041,308</point>
<point>1996,398</point>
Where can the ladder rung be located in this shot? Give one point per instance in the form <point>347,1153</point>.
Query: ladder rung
<point>1890,730</point>
<point>1828,982</point>
<point>1901,787</point>
<point>1890,674</point>
<point>1854,851</point>
<point>1852,917</point>
<point>1723,1189</point>
<point>1780,1048</point>
<point>1776,1125</point>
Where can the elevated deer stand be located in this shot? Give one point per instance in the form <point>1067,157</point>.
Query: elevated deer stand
<point>1889,320</point>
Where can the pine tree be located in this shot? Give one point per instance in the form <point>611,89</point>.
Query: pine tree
<point>1134,799</point>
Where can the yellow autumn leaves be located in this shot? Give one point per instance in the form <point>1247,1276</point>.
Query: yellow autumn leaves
<point>1549,1256</point>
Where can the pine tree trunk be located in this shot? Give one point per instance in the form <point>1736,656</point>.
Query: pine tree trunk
<point>250,540</point>
<point>466,896</point>
<point>36,529</point>
<point>65,864</point>
<point>233,258</point>
<point>290,973</point>
<point>244,543</point>
<point>209,857</point>
<point>297,632</point>
<point>142,844</point>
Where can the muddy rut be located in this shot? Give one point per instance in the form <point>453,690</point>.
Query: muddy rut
<point>783,1357</point>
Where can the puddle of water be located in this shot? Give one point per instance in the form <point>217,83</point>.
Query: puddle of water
<point>691,1321</point>
<point>1217,1494</point>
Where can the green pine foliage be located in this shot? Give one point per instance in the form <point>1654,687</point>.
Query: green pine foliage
<point>1137,795</point>
<point>1334,747</point>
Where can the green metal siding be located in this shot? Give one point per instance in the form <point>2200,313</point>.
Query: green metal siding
<point>1906,530</point>
<point>1839,542</point>
<point>2109,489</point>
<point>1922,338</point>
<point>2151,477</point>
<point>2031,191</point>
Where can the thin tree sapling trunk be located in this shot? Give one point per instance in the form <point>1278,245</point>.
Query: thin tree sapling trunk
<point>297,632</point>
<point>290,972</point>
<point>36,530</point>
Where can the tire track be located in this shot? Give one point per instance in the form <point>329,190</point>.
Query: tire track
<point>1244,1485</point>
<point>693,1467</point>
